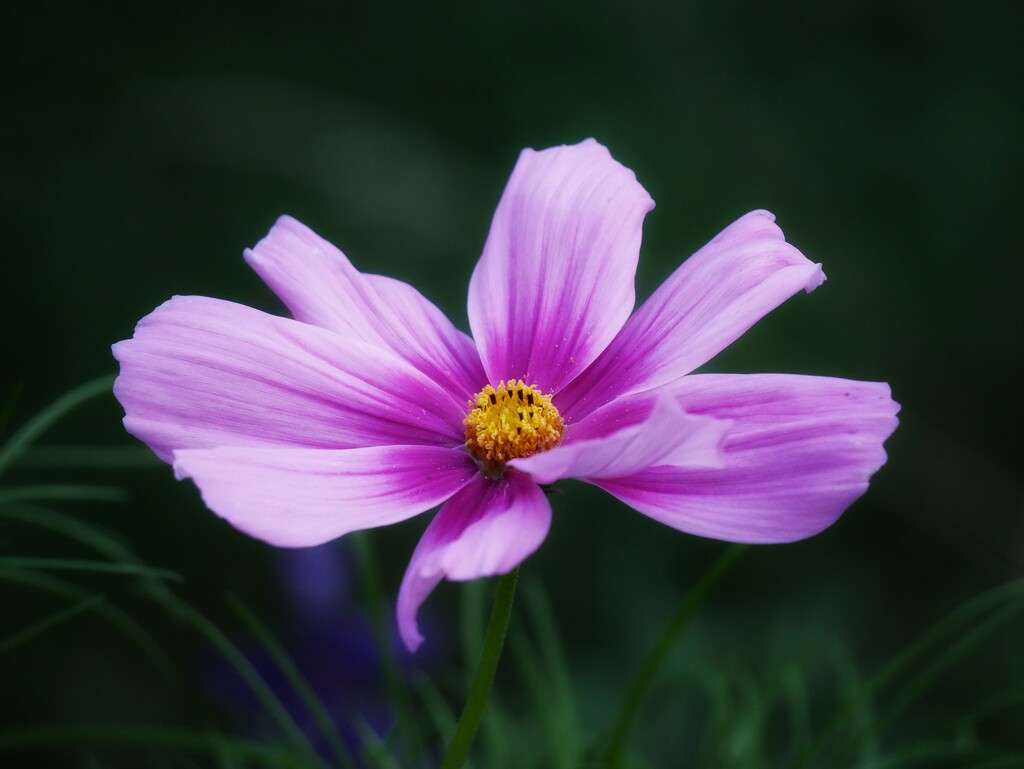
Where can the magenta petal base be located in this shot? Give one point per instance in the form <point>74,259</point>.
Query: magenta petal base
<point>486,529</point>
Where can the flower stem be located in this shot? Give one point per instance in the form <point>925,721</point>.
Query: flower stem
<point>480,690</point>
<point>661,650</point>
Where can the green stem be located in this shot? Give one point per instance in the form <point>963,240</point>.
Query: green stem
<point>480,690</point>
<point>661,649</point>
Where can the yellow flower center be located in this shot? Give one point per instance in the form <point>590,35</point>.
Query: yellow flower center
<point>515,420</point>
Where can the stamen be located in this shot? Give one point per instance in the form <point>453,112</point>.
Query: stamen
<point>499,428</point>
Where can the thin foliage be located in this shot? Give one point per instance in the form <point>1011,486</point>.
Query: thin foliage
<point>798,702</point>
<point>50,622</point>
<point>397,688</point>
<point>297,681</point>
<point>41,422</point>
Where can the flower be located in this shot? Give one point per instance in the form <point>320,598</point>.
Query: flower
<point>370,407</point>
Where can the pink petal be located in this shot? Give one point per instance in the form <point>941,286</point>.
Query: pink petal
<point>202,372</point>
<point>555,282</point>
<point>715,296</point>
<point>488,528</point>
<point>800,451</point>
<point>299,497</point>
<point>321,287</point>
<point>627,436</point>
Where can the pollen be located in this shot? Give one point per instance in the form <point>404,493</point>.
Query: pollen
<point>514,420</point>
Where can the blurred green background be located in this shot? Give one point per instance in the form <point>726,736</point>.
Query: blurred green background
<point>145,145</point>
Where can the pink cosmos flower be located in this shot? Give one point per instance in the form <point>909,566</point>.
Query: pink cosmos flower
<point>371,407</point>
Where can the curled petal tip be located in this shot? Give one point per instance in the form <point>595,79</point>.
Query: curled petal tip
<point>816,279</point>
<point>409,631</point>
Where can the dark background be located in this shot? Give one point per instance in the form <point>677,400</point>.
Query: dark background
<point>145,145</point>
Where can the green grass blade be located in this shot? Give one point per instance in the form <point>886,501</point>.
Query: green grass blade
<point>127,563</point>
<point>545,671</point>
<point>297,681</point>
<point>85,534</point>
<point>37,425</point>
<point>793,691</point>
<point>394,681</point>
<point>684,613</point>
<point>71,564</point>
<point>48,623</point>
<point>377,753</point>
<point>89,457</point>
<point>62,492</point>
<point>250,676</point>
<point>967,615</point>
<point>68,526</point>
<point>437,707</point>
<point>897,703</point>
<point>1006,699</point>
<point>107,611</point>
<point>544,705</point>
